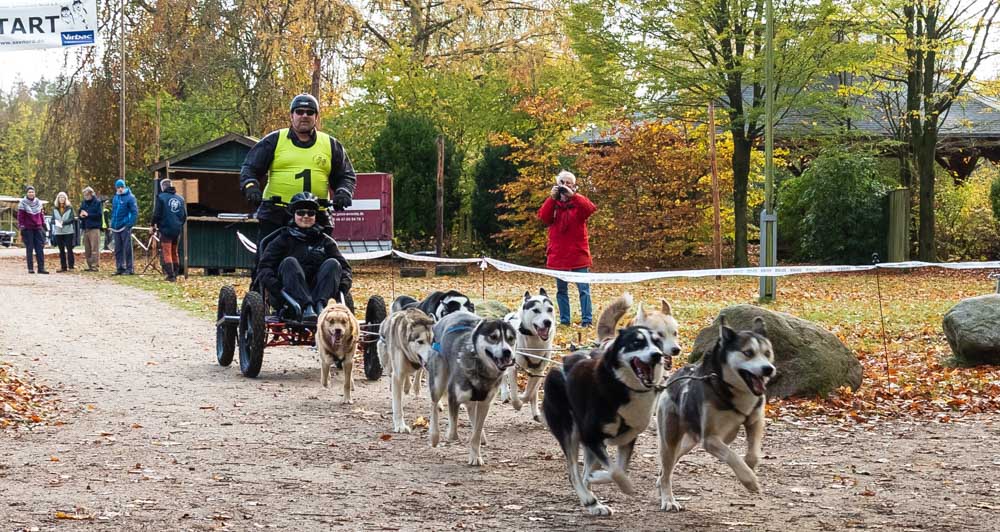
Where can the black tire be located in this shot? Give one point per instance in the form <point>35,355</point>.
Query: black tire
<point>374,315</point>
<point>252,335</point>
<point>225,335</point>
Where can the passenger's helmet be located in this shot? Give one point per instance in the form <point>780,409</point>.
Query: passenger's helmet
<point>304,101</point>
<point>303,200</point>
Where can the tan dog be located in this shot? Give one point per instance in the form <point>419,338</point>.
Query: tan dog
<point>661,321</point>
<point>337,333</point>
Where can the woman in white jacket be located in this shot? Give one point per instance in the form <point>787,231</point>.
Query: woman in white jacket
<point>63,229</point>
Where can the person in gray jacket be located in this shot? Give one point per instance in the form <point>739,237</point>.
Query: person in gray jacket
<point>64,230</point>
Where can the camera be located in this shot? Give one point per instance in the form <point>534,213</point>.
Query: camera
<point>563,191</point>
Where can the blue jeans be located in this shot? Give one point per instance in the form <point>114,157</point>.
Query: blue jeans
<point>562,298</point>
<point>34,241</point>
<point>123,250</point>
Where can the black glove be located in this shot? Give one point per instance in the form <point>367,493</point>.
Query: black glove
<point>341,200</point>
<point>253,194</point>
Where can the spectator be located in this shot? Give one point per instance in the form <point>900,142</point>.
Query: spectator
<point>91,219</point>
<point>169,215</point>
<point>106,223</point>
<point>64,230</point>
<point>31,222</point>
<point>565,212</point>
<point>124,213</point>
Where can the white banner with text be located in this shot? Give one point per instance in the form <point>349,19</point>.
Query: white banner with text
<point>26,25</point>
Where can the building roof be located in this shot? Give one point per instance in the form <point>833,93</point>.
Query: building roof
<point>223,153</point>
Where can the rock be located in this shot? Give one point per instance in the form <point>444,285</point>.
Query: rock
<point>973,330</point>
<point>810,360</point>
<point>490,308</point>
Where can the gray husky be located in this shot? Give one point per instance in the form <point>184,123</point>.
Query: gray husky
<point>707,402</point>
<point>468,360</point>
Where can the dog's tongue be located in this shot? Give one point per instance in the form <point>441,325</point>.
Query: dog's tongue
<point>337,335</point>
<point>542,332</point>
<point>642,371</point>
<point>757,385</point>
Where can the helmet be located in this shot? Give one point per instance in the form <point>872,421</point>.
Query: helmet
<point>304,101</point>
<point>303,200</point>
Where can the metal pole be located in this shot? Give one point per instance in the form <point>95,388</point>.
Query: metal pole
<point>768,218</point>
<point>121,102</point>
<point>716,217</point>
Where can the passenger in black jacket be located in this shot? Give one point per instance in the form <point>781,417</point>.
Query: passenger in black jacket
<point>303,262</point>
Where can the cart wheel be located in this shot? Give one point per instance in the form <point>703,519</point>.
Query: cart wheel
<point>225,334</point>
<point>374,314</point>
<point>252,334</point>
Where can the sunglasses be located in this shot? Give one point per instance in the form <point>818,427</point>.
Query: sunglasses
<point>307,112</point>
<point>305,213</point>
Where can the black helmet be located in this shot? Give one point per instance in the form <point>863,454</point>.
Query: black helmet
<point>304,101</point>
<point>303,200</point>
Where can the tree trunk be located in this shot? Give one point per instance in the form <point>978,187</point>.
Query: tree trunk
<point>741,173</point>
<point>923,157</point>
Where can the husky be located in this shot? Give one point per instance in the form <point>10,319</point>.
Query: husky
<point>436,305</point>
<point>337,333</point>
<point>604,397</point>
<point>708,401</point>
<point>536,325</point>
<point>661,321</point>
<point>469,359</point>
<point>404,344</point>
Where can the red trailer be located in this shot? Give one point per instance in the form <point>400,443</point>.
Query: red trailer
<point>367,224</point>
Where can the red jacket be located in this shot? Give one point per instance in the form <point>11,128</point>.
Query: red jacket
<point>569,246</point>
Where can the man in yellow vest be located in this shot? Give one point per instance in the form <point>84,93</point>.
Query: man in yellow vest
<point>296,159</point>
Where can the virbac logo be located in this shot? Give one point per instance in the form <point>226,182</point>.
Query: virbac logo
<point>77,37</point>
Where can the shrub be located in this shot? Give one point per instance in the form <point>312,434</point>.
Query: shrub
<point>491,172</point>
<point>966,228</point>
<point>407,149</point>
<point>835,209</point>
<point>995,197</point>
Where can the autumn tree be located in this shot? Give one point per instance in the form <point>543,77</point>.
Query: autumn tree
<point>669,56</point>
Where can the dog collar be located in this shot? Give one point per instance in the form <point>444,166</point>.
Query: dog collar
<point>457,328</point>
<point>521,329</point>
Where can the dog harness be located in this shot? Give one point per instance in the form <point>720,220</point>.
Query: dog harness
<point>436,346</point>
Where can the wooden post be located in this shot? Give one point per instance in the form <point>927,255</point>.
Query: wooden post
<point>899,230</point>
<point>716,217</point>
<point>440,196</point>
<point>157,124</point>
<point>121,103</point>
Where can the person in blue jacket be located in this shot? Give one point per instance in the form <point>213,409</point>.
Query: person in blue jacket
<point>169,215</point>
<point>124,213</point>
<point>90,218</point>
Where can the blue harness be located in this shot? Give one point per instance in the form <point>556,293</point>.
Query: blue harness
<point>436,346</point>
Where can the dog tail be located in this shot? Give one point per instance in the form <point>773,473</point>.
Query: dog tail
<point>608,321</point>
<point>557,409</point>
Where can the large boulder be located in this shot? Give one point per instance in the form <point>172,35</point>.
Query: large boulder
<point>973,330</point>
<point>810,360</point>
<point>490,308</point>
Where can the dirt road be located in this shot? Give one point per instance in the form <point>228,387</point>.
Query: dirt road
<point>157,436</point>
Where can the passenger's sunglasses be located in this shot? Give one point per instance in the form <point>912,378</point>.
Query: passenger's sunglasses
<point>305,213</point>
<point>307,112</point>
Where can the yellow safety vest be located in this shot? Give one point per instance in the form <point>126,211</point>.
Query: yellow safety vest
<point>296,169</point>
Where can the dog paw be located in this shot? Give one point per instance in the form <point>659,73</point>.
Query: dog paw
<point>670,505</point>
<point>475,459</point>
<point>537,418</point>
<point>347,401</point>
<point>624,484</point>
<point>598,509</point>
<point>435,439</point>
<point>401,429</point>
<point>453,436</point>
<point>751,484</point>
<point>751,461</point>
<point>516,403</point>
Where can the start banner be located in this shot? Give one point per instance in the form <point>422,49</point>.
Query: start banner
<point>27,25</point>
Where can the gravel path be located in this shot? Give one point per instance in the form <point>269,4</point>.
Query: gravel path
<point>157,436</point>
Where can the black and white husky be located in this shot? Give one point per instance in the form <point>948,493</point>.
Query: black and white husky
<point>436,305</point>
<point>536,326</point>
<point>404,345</point>
<point>469,359</point>
<point>710,400</point>
<point>604,397</point>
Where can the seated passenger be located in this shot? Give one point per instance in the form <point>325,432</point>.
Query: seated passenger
<point>303,263</point>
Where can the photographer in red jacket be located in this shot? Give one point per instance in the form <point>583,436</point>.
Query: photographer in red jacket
<point>565,211</point>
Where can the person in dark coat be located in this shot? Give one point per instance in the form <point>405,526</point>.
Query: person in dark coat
<point>90,219</point>
<point>303,263</point>
<point>169,215</point>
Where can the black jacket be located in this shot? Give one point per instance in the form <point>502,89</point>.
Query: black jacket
<point>310,247</point>
<point>258,162</point>
<point>169,213</point>
<point>93,208</point>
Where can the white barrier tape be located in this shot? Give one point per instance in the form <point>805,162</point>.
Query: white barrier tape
<point>424,258</point>
<point>778,271</point>
<point>247,243</point>
<point>367,255</point>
